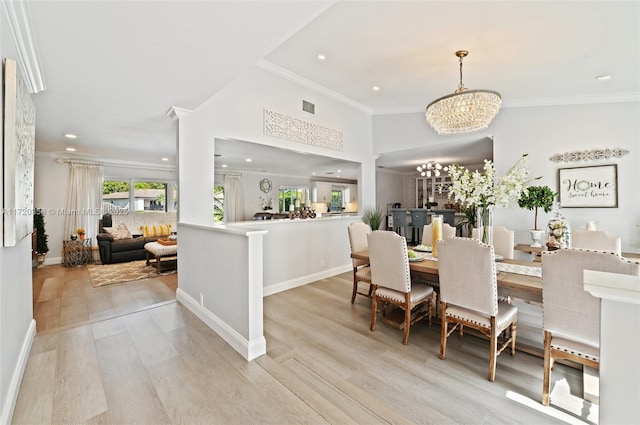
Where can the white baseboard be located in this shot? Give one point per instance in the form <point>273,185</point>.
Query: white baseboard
<point>49,261</point>
<point>303,280</point>
<point>247,349</point>
<point>16,379</point>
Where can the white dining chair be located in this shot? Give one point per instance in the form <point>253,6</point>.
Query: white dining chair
<point>571,315</point>
<point>358,232</point>
<point>503,240</point>
<point>427,233</point>
<point>469,296</point>
<point>598,240</point>
<point>391,279</point>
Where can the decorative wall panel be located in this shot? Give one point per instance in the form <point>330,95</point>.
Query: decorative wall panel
<point>589,155</point>
<point>19,153</point>
<point>297,130</point>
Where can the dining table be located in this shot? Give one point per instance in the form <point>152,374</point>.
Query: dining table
<point>516,278</point>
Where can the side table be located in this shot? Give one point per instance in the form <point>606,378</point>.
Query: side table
<point>76,253</point>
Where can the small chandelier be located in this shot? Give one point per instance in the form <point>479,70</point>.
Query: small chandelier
<point>464,111</point>
<point>431,168</point>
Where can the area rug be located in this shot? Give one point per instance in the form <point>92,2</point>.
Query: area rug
<point>108,274</point>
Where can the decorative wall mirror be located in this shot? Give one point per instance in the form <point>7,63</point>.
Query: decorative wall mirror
<point>265,185</point>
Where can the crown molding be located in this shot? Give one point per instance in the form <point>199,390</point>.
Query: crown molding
<point>575,100</point>
<point>177,113</point>
<point>558,101</point>
<point>295,78</point>
<point>19,17</point>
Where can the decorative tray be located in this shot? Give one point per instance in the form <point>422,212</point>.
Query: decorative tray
<point>167,242</point>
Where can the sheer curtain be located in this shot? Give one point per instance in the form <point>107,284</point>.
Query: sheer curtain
<point>84,199</point>
<point>233,199</point>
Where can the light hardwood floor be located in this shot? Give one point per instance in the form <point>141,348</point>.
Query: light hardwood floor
<point>323,365</point>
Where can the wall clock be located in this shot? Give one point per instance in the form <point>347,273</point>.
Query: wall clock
<point>265,185</point>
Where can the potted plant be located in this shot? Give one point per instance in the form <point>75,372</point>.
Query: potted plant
<point>42,244</point>
<point>532,198</point>
<point>373,217</point>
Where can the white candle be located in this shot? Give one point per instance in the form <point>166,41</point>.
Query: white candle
<point>592,226</point>
<point>297,203</point>
<point>291,207</point>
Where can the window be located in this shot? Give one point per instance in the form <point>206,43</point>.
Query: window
<point>150,196</point>
<point>115,195</point>
<point>218,204</point>
<point>289,197</point>
<point>123,195</point>
<point>336,199</point>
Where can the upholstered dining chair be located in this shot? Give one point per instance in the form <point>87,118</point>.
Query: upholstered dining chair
<point>358,232</point>
<point>503,240</point>
<point>427,233</point>
<point>571,315</point>
<point>469,296</point>
<point>390,274</point>
<point>597,240</point>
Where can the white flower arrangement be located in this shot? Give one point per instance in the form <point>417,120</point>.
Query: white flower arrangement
<point>266,202</point>
<point>484,189</point>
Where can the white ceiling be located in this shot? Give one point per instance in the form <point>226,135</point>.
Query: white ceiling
<point>113,69</point>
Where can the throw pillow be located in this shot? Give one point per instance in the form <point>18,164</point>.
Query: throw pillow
<point>156,230</point>
<point>119,232</point>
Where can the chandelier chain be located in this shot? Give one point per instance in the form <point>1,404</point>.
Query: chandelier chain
<point>460,86</point>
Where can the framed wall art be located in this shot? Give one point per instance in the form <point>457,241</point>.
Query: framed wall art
<point>19,153</point>
<point>588,187</point>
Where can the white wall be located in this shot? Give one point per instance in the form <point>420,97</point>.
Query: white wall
<point>542,132</point>
<point>236,112</point>
<point>17,327</point>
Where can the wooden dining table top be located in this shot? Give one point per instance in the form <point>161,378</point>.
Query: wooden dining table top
<point>509,283</point>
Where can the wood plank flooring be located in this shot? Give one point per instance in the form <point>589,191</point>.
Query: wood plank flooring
<point>323,366</point>
<point>64,297</point>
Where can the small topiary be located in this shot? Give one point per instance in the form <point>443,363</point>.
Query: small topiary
<point>537,197</point>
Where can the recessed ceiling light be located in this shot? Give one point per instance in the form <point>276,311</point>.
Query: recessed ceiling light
<point>375,88</point>
<point>248,159</point>
<point>321,57</point>
<point>603,77</point>
<point>313,173</point>
<point>70,149</point>
<point>224,165</point>
<point>165,159</point>
<point>70,136</point>
<point>339,171</point>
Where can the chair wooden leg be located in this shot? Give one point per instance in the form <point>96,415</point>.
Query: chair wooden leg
<point>443,329</point>
<point>493,350</point>
<point>355,285</point>
<point>407,318</point>
<point>546,368</point>
<point>513,338</point>
<point>374,310</point>
<point>430,307</point>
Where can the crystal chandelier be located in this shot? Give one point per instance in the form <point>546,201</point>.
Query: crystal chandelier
<point>464,111</point>
<point>431,168</point>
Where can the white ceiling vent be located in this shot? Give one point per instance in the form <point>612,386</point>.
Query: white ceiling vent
<point>308,107</point>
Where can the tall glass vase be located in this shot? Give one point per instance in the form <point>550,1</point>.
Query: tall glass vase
<point>484,222</point>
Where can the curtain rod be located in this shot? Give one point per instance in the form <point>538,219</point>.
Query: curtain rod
<point>74,161</point>
<point>229,174</point>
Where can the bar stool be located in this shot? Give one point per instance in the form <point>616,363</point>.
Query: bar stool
<point>448,216</point>
<point>418,221</point>
<point>400,221</point>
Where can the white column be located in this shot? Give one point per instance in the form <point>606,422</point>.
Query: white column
<point>619,345</point>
